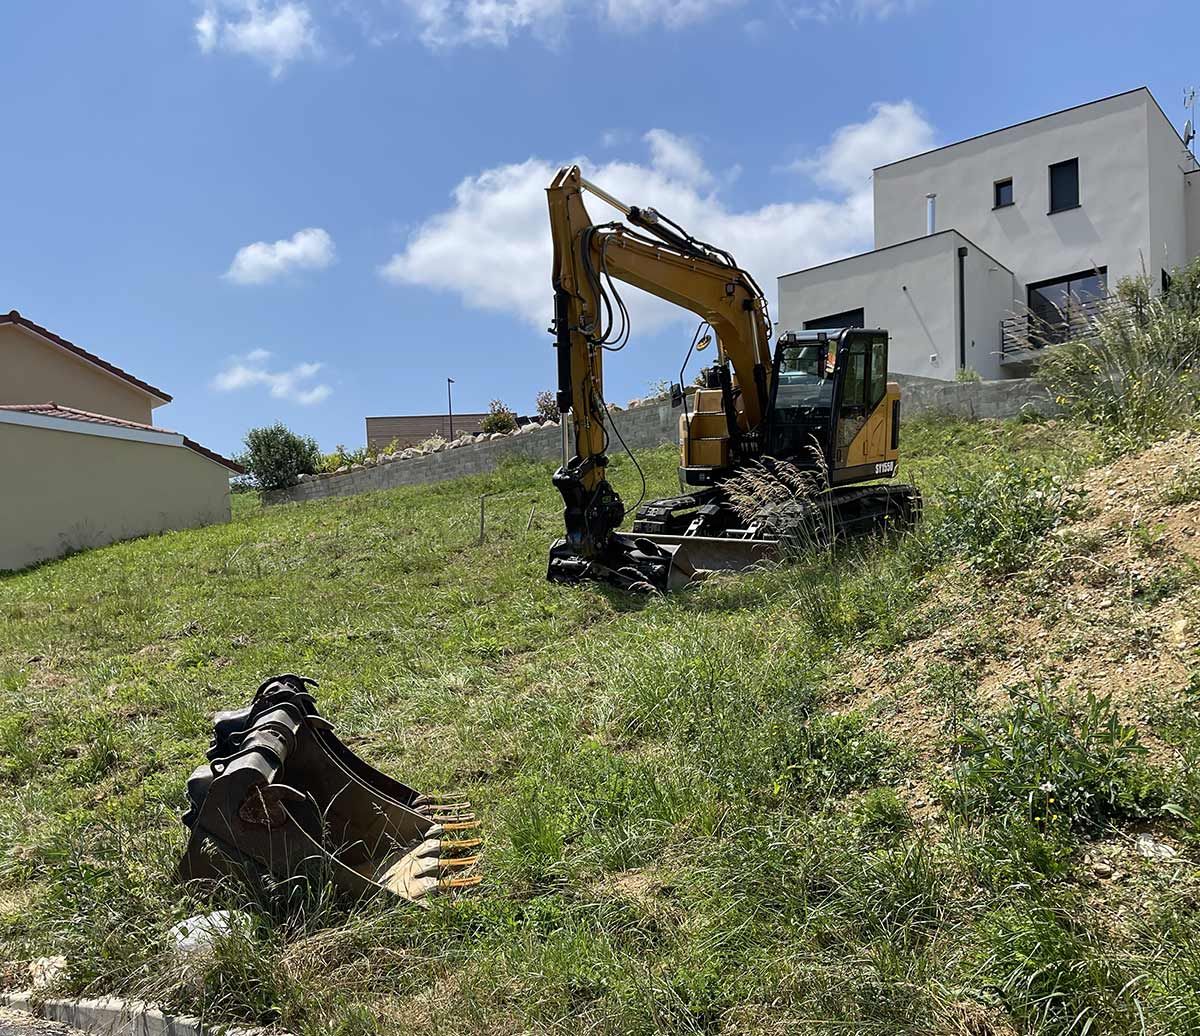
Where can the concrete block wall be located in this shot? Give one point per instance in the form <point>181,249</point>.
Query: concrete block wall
<point>641,427</point>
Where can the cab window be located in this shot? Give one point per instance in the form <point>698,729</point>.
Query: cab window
<point>800,382</point>
<point>878,386</point>
<point>854,388</point>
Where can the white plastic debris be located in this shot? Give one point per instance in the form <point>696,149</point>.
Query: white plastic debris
<point>198,934</point>
<point>44,970</point>
<point>1152,850</point>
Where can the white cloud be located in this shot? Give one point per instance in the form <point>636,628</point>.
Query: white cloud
<point>275,35</point>
<point>674,14</point>
<point>492,245</point>
<point>827,11</point>
<point>893,131</point>
<point>308,249</point>
<point>294,385</point>
<point>449,23</point>
<point>674,156</point>
<point>208,31</point>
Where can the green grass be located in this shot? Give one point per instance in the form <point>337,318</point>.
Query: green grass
<point>691,825</point>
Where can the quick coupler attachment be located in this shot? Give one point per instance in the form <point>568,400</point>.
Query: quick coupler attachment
<point>631,563</point>
<point>282,795</point>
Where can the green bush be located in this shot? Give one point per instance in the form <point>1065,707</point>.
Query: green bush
<point>498,418</point>
<point>1137,375</point>
<point>342,458</point>
<point>993,517</point>
<point>1071,766</point>
<point>275,456</point>
<point>546,405</point>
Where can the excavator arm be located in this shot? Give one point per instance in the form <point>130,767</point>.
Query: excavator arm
<point>662,259</point>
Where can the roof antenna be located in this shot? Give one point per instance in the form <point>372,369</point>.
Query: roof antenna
<point>1189,127</point>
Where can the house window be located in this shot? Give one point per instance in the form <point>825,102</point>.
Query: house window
<point>1002,193</point>
<point>850,318</point>
<point>1064,185</point>
<point>1059,309</point>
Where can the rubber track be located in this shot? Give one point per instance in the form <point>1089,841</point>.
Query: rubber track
<point>901,501</point>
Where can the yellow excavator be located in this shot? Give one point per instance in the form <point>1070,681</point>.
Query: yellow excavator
<point>818,401</point>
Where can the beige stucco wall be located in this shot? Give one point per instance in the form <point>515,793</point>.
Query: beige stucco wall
<point>33,370</point>
<point>64,491</point>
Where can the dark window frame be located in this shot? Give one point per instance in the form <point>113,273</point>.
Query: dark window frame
<point>996,187</point>
<point>1047,324</point>
<point>823,323</point>
<point>1052,208</point>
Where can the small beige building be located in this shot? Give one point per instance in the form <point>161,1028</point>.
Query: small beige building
<point>36,365</point>
<point>81,464</point>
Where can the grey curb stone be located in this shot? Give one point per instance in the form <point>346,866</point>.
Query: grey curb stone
<point>112,1016</point>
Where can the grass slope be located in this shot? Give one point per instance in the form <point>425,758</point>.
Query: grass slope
<point>884,792</point>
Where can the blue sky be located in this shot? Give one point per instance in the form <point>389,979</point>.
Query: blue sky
<point>316,210</point>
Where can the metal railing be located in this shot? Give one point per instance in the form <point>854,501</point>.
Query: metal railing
<point>1023,332</point>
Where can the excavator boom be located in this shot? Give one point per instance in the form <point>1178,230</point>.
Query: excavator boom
<point>589,320</point>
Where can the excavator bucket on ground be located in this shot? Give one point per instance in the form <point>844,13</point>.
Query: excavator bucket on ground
<point>282,795</point>
<point>657,562</point>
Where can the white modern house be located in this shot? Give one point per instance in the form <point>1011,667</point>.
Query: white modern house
<point>1022,230</point>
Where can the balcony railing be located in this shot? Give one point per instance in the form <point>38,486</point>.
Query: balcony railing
<point>1023,332</point>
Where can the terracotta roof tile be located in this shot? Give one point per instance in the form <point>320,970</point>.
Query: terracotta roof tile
<point>68,413</point>
<point>14,317</point>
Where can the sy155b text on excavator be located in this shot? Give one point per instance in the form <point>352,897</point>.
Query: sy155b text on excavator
<point>820,401</point>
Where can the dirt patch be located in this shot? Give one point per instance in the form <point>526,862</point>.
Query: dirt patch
<point>1110,605</point>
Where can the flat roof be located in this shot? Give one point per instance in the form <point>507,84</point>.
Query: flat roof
<point>898,244</point>
<point>1037,118</point>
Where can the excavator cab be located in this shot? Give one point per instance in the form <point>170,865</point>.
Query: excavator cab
<point>832,406</point>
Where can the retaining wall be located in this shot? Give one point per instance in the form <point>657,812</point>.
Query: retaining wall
<point>641,427</point>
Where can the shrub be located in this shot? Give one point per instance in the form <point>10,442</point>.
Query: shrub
<point>393,446</point>
<point>341,457</point>
<point>993,517</point>
<point>498,418</point>
<point>1074,766</point>
<point>1137,375</point>
<point>546,405</point>
<point>275,456</point>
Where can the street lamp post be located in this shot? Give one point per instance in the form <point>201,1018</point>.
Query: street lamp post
<point>450,406</point>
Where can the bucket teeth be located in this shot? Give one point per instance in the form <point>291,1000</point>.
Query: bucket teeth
<point>441,800</point>
<point>281,794</point>
<point>469,881</point>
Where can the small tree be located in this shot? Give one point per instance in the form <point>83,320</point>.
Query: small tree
<point>275,456</point>
<point>499,418</point>
<point>546,405</point>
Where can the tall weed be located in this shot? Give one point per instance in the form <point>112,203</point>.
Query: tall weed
<point>993,517</point>
<point>1137,373</point>
<point>1071,766</point>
